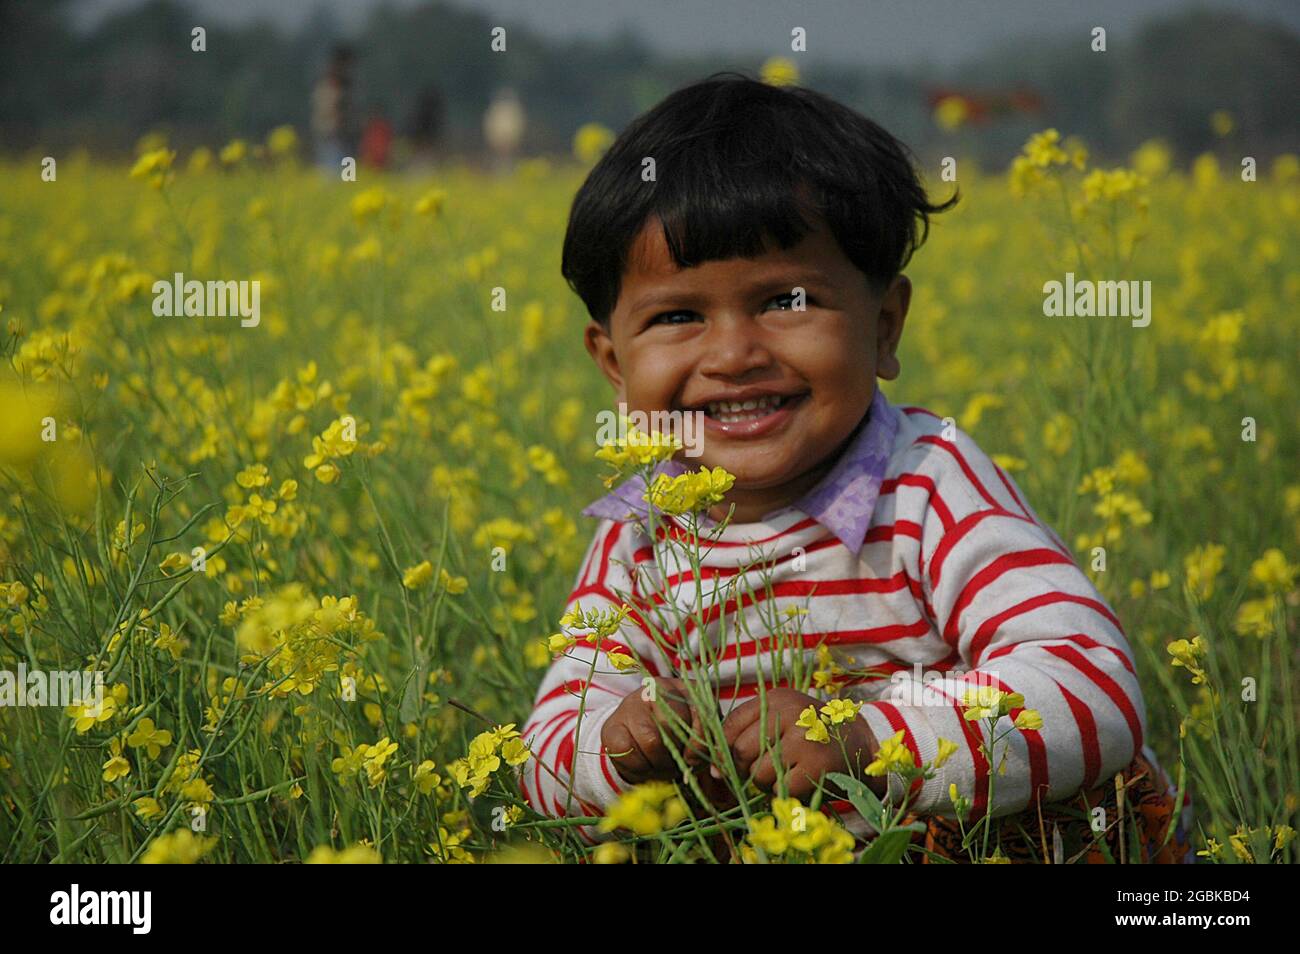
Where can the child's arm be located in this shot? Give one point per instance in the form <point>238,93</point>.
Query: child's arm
<point>559,757</point>
<point>1012,604</point>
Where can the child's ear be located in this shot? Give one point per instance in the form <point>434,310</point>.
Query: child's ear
<point>601,348</point>
<point>889,326</point>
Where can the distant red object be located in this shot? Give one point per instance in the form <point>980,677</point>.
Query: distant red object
<point>376,143</point>
<point>983,106</point>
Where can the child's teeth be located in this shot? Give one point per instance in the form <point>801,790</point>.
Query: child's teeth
<point>730,412</point>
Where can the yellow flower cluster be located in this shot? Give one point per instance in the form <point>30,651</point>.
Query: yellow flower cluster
<point>487,751</point>
<point>368,758</point>
<point>180,847</point>
<point>637,452</point>
<point>690,492</point>
<point>836,712</point>
<point>794,833</point>
<point>1188,654</point>
<point>336,442</point>
<point>303,637</point>
<point>361,853</point>
<point>1043,151</point>
<point>645,809</point>
<point>1203,566</point>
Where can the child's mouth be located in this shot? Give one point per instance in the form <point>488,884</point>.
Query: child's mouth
<point>752,417</point>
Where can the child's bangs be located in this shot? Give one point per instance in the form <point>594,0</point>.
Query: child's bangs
<point>714,214</point>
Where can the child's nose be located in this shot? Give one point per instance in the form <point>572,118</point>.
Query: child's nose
<point>733,346</point>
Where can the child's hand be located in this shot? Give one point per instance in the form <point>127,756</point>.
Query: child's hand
<point>631,734</point>
<point>805,762</point>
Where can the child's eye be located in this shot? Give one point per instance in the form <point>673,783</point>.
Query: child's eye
<point>787,301</point>
<point>672,318</point>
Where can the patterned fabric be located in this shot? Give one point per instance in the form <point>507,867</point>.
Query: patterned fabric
<point>1150,806</point>
<point>841,502</point>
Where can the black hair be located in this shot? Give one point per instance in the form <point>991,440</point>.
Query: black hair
<point>737,161</point>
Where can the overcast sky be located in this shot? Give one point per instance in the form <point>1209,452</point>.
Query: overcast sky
<point>894,32</point>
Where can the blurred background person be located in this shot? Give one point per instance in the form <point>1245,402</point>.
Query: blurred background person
<point>333,125</point>
<point>503,129</point>
<point>425,128</point>
<point>376,140</point>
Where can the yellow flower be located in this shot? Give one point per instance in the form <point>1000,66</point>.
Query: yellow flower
<point>645,809</point>
<point>1110,185</point>
<point>426,779</point>
<point>808,719</point>
<point>893,756</point>
<point>197,791</point>
<point>689,492</point>
<point>154,166</point>
<point>418,575</point>
<point>637,451</point>
<point>452,584</point>
<point>611,853</point>
<point>590,142</point>
<point>1188,654</point>
<point>1028,720</point>
<point>515,752</point>
<point>180,847</point>
<point>560,643</point>
<point>369,203</point>
<point>986,702</point>
<point>174,562</point>
<point>1042,149</point>
<point>86,714</point>
<point>147,808</point>
<point>282,141</point>
<point>374,757</point>
<point>151,739</point>
<point>233,152</point>
<point>766,834</point>
<point>358,854</point>
<point>1255,617</point>
<point>430,203</point>
<point>1203,565</point>
<point>950,112</point>
<point>841,710</point>
<point>622,662</point>
<point>1272,572</point>
<point>1284,836</point>
<point>779,71</point>
<point>947,748</point>
<point>116,767</point>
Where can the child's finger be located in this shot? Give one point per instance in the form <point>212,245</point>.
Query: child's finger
<point>746,749</point>
<point>673,694</point>
<point>798,784</point>
<point>626,752</point>
<point>763,774</point>
<point>695,747</point>
<point>739,719</point>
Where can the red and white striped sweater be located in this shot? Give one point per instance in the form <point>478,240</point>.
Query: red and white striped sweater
<point>956,572</point>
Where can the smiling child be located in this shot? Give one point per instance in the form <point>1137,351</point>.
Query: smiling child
<point>756,278</point>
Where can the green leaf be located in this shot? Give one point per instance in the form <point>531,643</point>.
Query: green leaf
<point>887,848</point>
<point>861,797</point>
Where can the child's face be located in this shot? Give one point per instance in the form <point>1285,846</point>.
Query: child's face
<point>686,339</point>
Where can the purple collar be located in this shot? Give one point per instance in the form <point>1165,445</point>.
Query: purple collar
<point>842,501</point>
